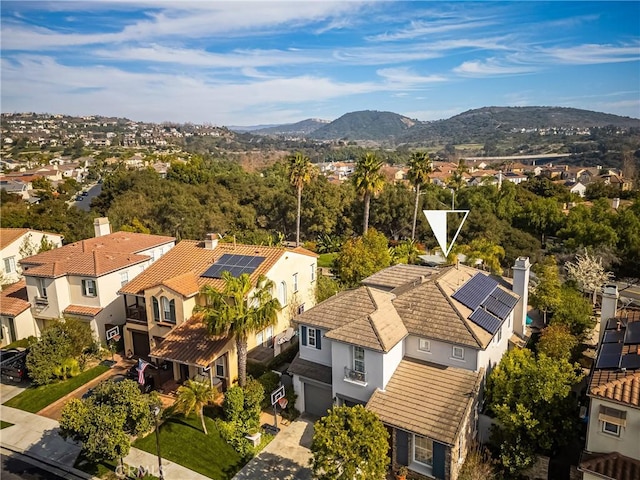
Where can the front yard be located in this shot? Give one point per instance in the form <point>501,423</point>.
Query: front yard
<point>34,399</point>
<point>182,441</point>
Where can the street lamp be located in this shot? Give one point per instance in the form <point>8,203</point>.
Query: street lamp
<point>156,414</point>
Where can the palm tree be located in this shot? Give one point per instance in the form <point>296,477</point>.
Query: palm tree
<point>420,166</point>
<point>301,172</point>
<point>368,181</point>
<point>457,180</point>
<point>194,396</point>
<point>233,311</point>
<point>488,252</point>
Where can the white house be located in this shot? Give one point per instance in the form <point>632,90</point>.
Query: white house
<point>82,279</point>
<point>414,344</point>
<point>17,243</point>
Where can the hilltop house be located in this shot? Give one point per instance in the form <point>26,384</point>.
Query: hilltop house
<point>612,450</point>
<point>82,279</point>
<point>414,344</point>
<point>17,243</point>
<point>159,304</point>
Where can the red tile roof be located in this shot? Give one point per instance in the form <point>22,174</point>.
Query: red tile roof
<point>10,235</point>
<point>611,465</point>
<point>14,300</point>
<point>82,310</point>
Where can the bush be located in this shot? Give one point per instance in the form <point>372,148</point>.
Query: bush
<point>233,404</point>
<point>256,370</point>
<point>69,368</point>
<point>291,412</point>
<point>285,357</point>
<point>269,382</point>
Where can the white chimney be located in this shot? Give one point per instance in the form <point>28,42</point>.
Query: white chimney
<point>609,306</point>
<point>521,271</point>
<point>499,179</point>
<point>615,203</point>
<point>101,227</point>
<point>211,241</point>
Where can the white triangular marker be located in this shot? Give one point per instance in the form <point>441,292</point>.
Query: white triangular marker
<point>438,222</point>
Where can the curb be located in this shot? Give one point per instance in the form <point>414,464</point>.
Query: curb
<point>76,474</point>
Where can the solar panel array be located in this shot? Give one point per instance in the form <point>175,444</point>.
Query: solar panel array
<point>610,354</point>
<point>632,333</point>
<point>613,336</point>
<point>630,361</point>
<point>620,345</point>
<point>490,304</point>
<point>236,265</point>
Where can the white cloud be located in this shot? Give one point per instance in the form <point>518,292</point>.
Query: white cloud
<point>405,77</point>
<point>589,54</point>
<point>491,67</point>
<point>417,29</point>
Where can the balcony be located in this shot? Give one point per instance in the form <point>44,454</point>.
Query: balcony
<point>42,301</point>
<point>137,314</point>
<point>353,376</point>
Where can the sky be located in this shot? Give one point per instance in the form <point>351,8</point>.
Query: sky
<point>264,62</point>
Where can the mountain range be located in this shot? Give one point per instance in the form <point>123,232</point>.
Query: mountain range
<point>470,126</point>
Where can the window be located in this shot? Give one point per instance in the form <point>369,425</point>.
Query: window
<point>613,420</point>
<point>89,288</point>
<point>498,336</point>
<point>42,289</point>
<point>458,353</point>
<point>124,278</point>
<point>311,337</point>
<point>423,450</point>
<point>611,428</point>
<point>168,310</point>
<point>220,367</point>
<point>300,309</point>
<point>424,345</point>
<point>10,264</point>
<point>313,272</point>
<point>358,359</point>
<point>156,309</point>
<point>282,294</point>
<point>295,282</point>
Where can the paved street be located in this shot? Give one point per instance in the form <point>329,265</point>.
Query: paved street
<point>17,467</point>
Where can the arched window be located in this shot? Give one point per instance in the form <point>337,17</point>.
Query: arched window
<point>282,293</point>
<point>156,309</point>
<point>168,310</point>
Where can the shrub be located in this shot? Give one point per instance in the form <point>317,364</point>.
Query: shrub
<point>233,404</point>
<point>285,357</point>
<point>67,369</point>
<point>269,382</point>
<point>256,370</point>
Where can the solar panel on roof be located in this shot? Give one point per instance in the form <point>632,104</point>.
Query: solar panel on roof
<point>611,349</point>
<point>475,290</point>
<point>632,334</point>
<point>613,336</point>
<point>236,265</point>
<point>631,361</point>
<point>496,307</point>
<point>485,320</point>
<point>504,297</point>
<point>612,324</point>
<point>608,361</point>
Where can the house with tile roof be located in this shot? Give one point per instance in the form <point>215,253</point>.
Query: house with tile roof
<point>612,449</point>
<point>160,302</point>
<point>17,243</point>
<point>16,321</point>
<point>82,279</point>
<point>414,344</point>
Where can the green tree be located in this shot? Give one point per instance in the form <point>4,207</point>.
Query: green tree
<point>457,179</point>
<point>301,172</point>
<point>326,287</point>
<point>361,257</point>
<point>557,342</point>
<point>350,443</point>
<point>420,166</point>
<point>239,310</point>
<point>193,396</point>
<point>488,252</point>
<point>546,294</point>
<point>368,181</point>
<point>105,420</point>
<point>573,311</point>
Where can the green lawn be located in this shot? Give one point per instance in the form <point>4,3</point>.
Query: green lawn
<point>4,424</point>
<point>34,399</point>
<point>107,470</point>
<point>182,441</point>
<point>326,259</point>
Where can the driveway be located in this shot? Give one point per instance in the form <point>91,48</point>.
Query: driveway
<point>287,457</point>
<point>9,389</point>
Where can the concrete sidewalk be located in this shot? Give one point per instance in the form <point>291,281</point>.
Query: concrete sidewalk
<point>38,437</point>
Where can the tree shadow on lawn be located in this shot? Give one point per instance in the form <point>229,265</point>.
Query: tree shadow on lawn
<point>267,466</point>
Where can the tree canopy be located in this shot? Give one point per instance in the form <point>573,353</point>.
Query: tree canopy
<point>361,257</point>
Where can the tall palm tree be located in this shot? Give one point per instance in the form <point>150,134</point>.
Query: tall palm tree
<point>301,172</point>
<point>488,252</point>
<point>420,166</point>
<point>368,181</point>
<point>238,311</point>
<point>194,396</point>
<point>456,180</point>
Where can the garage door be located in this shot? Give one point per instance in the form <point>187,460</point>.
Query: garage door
<point>140,344</point>
<point>317,400</point>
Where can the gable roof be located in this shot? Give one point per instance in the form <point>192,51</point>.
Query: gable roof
<point>14,299</point>
<point>10,235</point>
<point>428,399</point>
<point>624,390</point>
<point>94,256</point>
<point>611,465</point>
<point>397,275</point>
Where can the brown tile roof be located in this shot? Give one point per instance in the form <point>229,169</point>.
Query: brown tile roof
<point>191,343</point>
<point>397,275</point>
<point>14,300</point>
<point>82,310</point>
<point>623,390</point>
<point>181,268</point>
<point>304,251</point>
<point>381,330</point>
<point>311,370</point>
<point>611,465</point>
<point>94,256</point>
<point>341,309</point>
<point>10,235</point>
<point>427,399</point>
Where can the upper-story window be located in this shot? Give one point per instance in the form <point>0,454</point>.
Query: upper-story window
<point>89,288</point>
<point>498,335</point>
<point>124,278</point>
<point>156,309</point>
<point>295,282</point>
<point>458,353</point>
<point>311,337</point>
<point>282,293</point>
<point>42,288</point>
<point>10,264</point>
<point>423,450</point>
<point>613,420</point>
<point>358,359</point>
<point>313,272</point>
<point>168,310</point>
<point>424,345</point>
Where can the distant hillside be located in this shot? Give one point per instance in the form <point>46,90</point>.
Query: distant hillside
<point>303,128</point>
<point>366,125</point>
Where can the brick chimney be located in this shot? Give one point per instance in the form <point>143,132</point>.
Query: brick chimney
<point>211,241</point>
<point>609,306</point>
<point>521,271</point>
<point>101,227</point>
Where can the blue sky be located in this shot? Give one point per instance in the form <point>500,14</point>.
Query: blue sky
<point>249,63</point>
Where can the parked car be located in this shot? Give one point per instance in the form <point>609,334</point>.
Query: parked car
<point>6,354</point>
<point>14,368</point>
